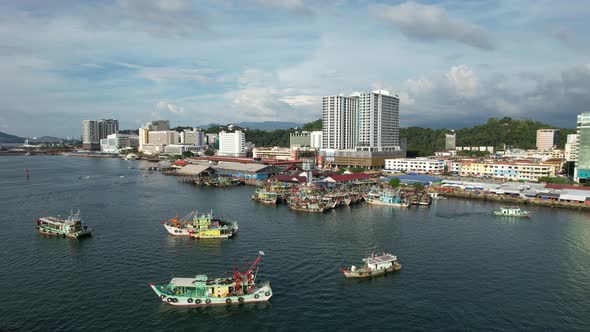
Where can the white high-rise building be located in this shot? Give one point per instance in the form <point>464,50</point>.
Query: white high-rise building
<point>546,139</point>
<point>165,137</point>
<point>316,139</point>
<point>571,148</point>
<point>232,144</point>
<point>378,121</point>
<point>450,141</point>
<point>159,125</point>
<point>339,114</point>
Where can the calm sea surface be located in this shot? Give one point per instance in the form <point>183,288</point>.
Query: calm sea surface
<point>462,268</point>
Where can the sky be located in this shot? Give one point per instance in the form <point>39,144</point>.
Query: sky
<point>452,63</point>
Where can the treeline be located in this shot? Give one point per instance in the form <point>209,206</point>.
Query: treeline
<point>495,132</point>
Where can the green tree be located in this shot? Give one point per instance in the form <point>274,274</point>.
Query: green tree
<point>394,182</point>
<point>209,152</point>
<point>187,154</point>
<point>418,186</point>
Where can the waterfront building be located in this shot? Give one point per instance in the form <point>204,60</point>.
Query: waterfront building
<point>415,165</point>
<point>547,139</point>
<point>515,171</point>
<point>116,143</point>
<point>571,148</point>
<point>582,172</point>
<point>179,149</point>
<point>274,153</point>
<point>339,114</point>
<point>450,141</point>
<point>192,137</point>
<point>300,138</point>
<point>378,121</point>
<point>316,139</point>
<point>361,129</point>
<point>151,149</point>
<point>232,144</point>
<point>90,139</point>
<point>165,137</point>
<point>95,130</point>
<point>143,138</point>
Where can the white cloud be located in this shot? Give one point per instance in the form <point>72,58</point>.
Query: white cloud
<point>164,74</point>
<point>426,22</point>
<point>169,107</point>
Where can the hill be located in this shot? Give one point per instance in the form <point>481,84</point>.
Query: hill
<point>8,138</point>
<point>495,132</point>
<point>265,125</point>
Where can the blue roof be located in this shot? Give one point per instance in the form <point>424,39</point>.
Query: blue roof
<point>415,178</point>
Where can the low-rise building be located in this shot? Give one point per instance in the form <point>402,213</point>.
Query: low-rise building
<point>179,149</point>
<point>415,165</point>
<point>274,153</point>
<point>515,171</point>
<point>116,143</point>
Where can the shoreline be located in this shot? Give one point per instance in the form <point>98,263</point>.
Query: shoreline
<point>515,200</point>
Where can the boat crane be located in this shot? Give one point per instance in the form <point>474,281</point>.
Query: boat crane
<point>249,275</point>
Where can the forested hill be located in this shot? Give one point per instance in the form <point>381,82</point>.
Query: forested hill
<point>8,138</point>
<point>495,132</point>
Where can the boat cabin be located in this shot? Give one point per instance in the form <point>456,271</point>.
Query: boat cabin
<point>381,262</point>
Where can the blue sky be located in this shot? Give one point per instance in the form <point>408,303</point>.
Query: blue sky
<point>453,63</point>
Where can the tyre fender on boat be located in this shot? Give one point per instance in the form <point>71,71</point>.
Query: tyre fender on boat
<point>240,299</point>
<point>256,296</point>
<point>174,300</point>
<point>169,300</point>
<point>197,301</point>
<point>267,294</point>
<point>207,301</point>
<point>228,300</point>
<point>162,296</point>
<point>190,300</point>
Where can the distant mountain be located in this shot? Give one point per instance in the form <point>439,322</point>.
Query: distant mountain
<point>7,138</point>
<point>269,125</point>
<point>266,125</point>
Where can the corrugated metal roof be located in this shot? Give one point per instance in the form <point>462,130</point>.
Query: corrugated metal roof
<point>193,169</point>
<point>229,166</point>
<point>347,177</point>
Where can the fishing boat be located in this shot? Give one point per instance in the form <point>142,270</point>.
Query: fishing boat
<point>425,200</point>
<point>205,291</point>
<point>375,265</point>
<point>264,196</point>
<point>201,226</point>
<point>512,211</point>
<point>387,198</point>
<point>71,227</point>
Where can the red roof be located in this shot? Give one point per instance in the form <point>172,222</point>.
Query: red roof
<point>348,177</point>
<point>180,162</point>
<point>565,186</point>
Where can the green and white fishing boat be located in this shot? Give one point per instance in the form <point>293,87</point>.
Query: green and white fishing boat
<point>204,291</point>
<point>71,227</point>
<point>512,211</point>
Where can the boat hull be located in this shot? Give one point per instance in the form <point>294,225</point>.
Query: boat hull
<point>362,273</point>
<point>497,213</point>
<point>176,231</point>
<point>262,294</point>
<point>378,202</point>
<point>75,235</point>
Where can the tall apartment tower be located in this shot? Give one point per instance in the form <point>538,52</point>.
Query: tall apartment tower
<point>546,139</point>
<point>571,148</point>
<point>107,127</point>
<point>339,122</point>
<point>582,173</point>
<point>450,141</point>
<point>90,138</point>
<point>377,121</point>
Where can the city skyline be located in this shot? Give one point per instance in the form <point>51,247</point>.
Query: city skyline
<point>453,64</point>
